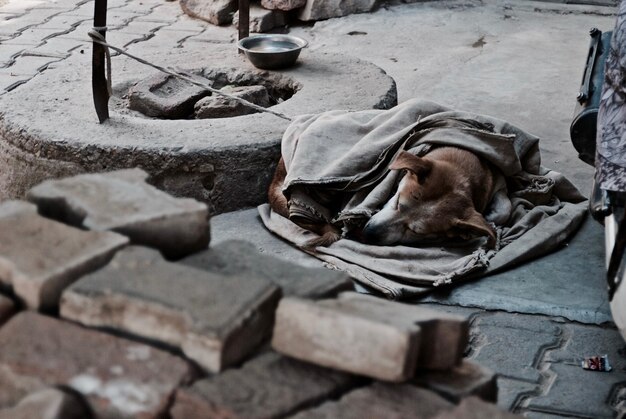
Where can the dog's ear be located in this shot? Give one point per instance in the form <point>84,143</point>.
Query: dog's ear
<point>405,160</point>
<point>475,224</point>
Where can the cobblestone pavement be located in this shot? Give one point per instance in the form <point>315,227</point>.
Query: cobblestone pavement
<point>537,357</point>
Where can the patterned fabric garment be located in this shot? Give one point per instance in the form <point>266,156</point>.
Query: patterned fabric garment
<point>611,138</point>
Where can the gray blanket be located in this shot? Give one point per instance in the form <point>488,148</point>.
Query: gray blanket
<point>337,171</point>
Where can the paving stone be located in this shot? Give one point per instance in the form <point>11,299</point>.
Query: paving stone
<point>239,258</point>
<point>120,378</point>
<point>285,5</point>
<point>165,96</point>
<point>270,386</point>
<point>217,12</point>
<point>262,20</point>
<point>511,392</point>
<point>28,66</point>
<point>40,257</point>
<point>464,380</point>
<point>382,401</point>
<point>475,408</point>
<point>369,336</point>
<point>123,202</point>
<point>217,106</point>
<point>325,9</point>
<point>216,320</point>
<point>49,403</point>
<point>7,308</point>
<point>575,391</point>
<point>512,344</point>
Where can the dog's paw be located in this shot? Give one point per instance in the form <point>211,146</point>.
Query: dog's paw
<point>324,240</point>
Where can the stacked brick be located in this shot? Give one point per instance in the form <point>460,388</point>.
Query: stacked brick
<point>269,14</point>
<point>97,320</point>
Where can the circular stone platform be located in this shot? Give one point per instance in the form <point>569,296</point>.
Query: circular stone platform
<point>49,128</point>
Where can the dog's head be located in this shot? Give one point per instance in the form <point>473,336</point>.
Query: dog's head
<point>432,202</point>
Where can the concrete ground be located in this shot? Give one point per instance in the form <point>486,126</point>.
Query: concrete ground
<point>520,61</point>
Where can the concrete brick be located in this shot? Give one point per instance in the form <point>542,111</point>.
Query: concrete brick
<point>369,336</point>
<point>284,5</point>
<point>262,20</point>
<point>31,19</point>
<point>166,13</point>
<point>466,379</point>
<point>9,81</point>
<point>122,201</point>
<point>216,320</point>
<point>325,9</point>
<point>238,258</point>
<point>165,96</point>
<point>512,344</point>
<point>270,386</point>
<point>49,403</point>
<point>10,50</point>
<point>62,22</point>
<point>475,408</point>
<point>59,47</point>
<point>217,12</point>
<point>144,7</point>
<point>120,378</point>
<point>27,65</point>
<point>574,391</point>
<point>7,308</point>
<point>185,25</point>
<point>142,27</point>
<point>216,106</point>
<point>382,401</point>
<point>40,257</point>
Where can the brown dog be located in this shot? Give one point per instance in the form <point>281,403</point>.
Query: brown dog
<point>278,202</point>
<point>442,194</point>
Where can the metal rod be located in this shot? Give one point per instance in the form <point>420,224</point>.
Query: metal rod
<point>98,76</point>
<point>244,20</point>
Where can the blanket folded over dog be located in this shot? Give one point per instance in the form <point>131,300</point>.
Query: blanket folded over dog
<point>337,171</point>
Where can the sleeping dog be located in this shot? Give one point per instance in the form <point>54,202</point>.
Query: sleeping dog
<point>441,195</point>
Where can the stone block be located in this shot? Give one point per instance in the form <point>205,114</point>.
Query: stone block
<point>7,308</point>
<point>475,408</point>
<point>262,20</point>
<point>119,378</point>
<point>285,5</point>
<point>123,202</point>
<point>216,320</point>
<point>217,106</point>
<point>464,380</point>
<point>165,96</point>
<point>325,9</point>
<point>40,257</point>
<point>239,258</point>
<point>270,386</point>
<point>49,403</point>
<point>369,336</point>
<point>217,12</point>
<point>381,400</point>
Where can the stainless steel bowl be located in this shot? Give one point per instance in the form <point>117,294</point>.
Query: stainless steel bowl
<point>272,51</point>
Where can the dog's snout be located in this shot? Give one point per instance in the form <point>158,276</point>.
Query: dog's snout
<point>370,233</point>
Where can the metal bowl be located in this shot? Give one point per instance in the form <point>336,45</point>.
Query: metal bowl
<point>272,51</point>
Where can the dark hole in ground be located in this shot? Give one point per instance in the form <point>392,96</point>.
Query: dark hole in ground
<point>167,97</point>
